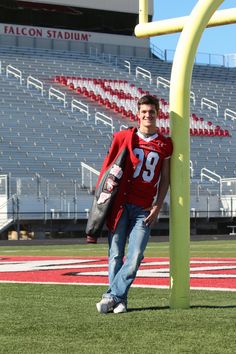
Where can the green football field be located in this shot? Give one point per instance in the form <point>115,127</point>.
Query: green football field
<point>47,319</point>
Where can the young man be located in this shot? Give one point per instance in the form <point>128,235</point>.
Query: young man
<point>142,183</point>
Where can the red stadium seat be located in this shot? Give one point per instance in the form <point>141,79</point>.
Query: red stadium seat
<point>108,104</point>
<point>132,117</point>
<point>211,132</point>
<point>226,133</point>
<point>57,79</point>
<point>200,132</point>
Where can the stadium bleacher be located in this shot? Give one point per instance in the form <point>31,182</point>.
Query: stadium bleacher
<point>43,140</point>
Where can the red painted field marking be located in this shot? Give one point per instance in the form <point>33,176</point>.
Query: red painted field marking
<point>206,273</point>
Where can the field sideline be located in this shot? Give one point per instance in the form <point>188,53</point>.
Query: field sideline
<point>215,248</point>
<point>63,319</point>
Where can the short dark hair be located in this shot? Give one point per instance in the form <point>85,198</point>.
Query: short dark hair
<point>148,99</point>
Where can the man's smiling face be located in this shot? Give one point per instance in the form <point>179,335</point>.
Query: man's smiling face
<point>147,115</point>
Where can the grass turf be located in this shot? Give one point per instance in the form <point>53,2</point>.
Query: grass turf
<point>63,319</point>
<point>48,319</point>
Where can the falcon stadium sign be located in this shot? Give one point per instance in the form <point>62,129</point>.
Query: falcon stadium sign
<point>40,32</point>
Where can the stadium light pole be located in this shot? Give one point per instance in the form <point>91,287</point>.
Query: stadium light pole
<point>181,74</point>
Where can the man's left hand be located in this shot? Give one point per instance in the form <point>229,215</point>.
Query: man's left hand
<point>154,211</point>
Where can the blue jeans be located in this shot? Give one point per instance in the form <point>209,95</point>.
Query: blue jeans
<point>122,272</point>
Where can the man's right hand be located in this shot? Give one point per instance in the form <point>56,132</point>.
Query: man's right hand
<point>91,239</point>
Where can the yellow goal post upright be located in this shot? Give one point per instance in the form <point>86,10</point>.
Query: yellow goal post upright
<point>203,15</point>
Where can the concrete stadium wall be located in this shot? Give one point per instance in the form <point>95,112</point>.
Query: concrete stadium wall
<point>80,47</point>
<point>131,6</point>
<point>70,40</point>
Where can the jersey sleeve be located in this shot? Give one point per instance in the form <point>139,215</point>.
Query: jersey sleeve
<point>112,153</point>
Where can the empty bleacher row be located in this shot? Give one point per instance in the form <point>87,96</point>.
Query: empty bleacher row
<point>40,137</point>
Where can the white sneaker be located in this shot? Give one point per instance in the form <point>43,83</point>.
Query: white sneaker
<point>120,308</point>
<point>105,305</point>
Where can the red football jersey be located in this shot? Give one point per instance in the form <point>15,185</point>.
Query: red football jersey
<point>151,152</point>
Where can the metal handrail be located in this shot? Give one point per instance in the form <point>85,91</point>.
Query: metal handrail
<point>144,73</point>
<point>229,113</point>
<point>81,107</point>
<point>35,82</point>
<point>105,119</point>
<point>92,172</point>
<point>14,71</point>
<point>210,104</point>
<point>58,94</point>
